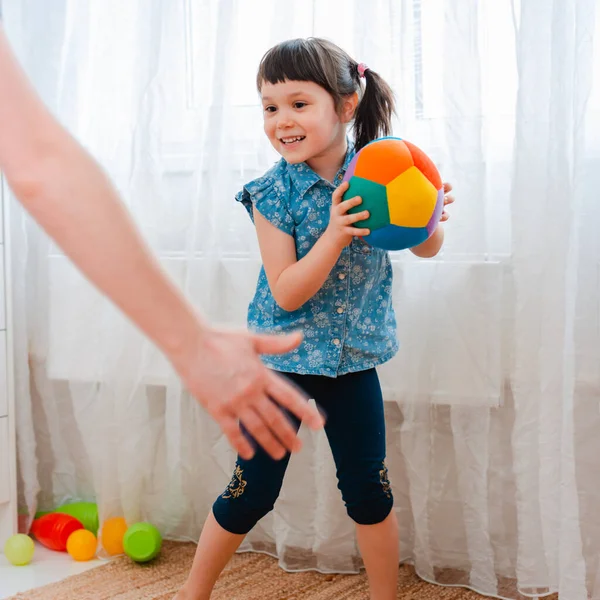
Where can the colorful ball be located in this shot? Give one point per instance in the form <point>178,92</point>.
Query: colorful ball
<point>82,545</point>
<point>402,190</point>
<point>142,542</point>
<point>113,531</point>
<point>19,549</point>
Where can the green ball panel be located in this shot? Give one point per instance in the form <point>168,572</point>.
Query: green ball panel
<point>374,199</point>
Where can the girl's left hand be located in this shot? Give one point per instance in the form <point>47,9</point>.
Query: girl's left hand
<point>448,199</point>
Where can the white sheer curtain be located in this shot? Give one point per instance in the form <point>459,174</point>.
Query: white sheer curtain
<point>493,400</point>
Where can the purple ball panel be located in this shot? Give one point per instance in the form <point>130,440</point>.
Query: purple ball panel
<point>437,213</point>
<point>351,168</point>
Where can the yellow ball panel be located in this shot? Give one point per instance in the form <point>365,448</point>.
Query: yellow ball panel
<point>411,199</point>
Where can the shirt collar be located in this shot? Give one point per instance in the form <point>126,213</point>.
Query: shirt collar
<point>303,177</point>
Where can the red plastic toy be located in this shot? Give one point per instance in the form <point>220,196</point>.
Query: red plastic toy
<point>53,530</point>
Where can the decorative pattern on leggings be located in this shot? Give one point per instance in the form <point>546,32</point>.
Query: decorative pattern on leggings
<point>385,482</point>
<point>237,485</point>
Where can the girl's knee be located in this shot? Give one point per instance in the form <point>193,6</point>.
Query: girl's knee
<point>240,519</point>
<point>370,511</point>
<point>367,494</point>
<point>246,500</point>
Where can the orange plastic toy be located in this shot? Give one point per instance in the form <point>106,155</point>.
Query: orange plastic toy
<point>113,531</point>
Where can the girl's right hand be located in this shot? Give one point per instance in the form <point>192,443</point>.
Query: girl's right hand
<point>340,230</point>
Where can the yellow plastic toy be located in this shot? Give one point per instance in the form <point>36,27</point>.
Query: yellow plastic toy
<point>82,545</point>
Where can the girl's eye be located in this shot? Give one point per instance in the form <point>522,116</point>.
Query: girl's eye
<point>270,109</point>
<point>299,104</point>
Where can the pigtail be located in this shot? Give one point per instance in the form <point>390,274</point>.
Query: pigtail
<point>373,117</point>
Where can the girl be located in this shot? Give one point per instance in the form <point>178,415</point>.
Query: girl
<point>321,278</point>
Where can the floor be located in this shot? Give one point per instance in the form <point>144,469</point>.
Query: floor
<point>46,567</point>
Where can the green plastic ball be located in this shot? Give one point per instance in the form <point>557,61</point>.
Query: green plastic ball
<point>19,549</point>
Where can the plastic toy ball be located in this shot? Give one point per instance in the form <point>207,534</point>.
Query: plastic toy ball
<point>113,531</point>
<point>19,549</point>
<point>82,545</point>
<point>402,190</point>
<point>142,542</point>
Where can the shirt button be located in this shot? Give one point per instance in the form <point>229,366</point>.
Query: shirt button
<point>342,276</point>
<point>340,310</point>
<point>336,342</point>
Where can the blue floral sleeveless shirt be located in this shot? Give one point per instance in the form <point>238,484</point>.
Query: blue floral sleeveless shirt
<point>349,324</point>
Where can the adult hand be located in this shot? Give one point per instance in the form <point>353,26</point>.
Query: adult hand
<point>225,374</point>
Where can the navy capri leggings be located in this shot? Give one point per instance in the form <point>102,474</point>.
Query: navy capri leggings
<point>355,428</point>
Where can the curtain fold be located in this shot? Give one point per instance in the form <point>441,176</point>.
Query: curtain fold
<point>492,402</point>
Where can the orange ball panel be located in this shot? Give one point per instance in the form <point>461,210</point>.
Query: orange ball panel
<point>425,165</point>
<point>383,161</point>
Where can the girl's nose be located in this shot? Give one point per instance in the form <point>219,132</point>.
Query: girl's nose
<point>284,122</point>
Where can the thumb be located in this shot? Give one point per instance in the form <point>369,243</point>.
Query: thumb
<point>276,344</point>
<point>339,193</point>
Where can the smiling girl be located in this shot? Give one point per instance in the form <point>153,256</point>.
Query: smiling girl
<point>321,278</point>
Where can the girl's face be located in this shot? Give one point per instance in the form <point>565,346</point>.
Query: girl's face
<point>302,124</point>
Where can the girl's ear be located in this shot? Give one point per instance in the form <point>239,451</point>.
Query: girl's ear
<point>349,107</point>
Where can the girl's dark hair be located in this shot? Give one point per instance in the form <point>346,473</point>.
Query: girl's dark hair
<point>327,65</point>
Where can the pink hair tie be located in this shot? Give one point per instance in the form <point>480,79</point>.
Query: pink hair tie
<point>361,69</point>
